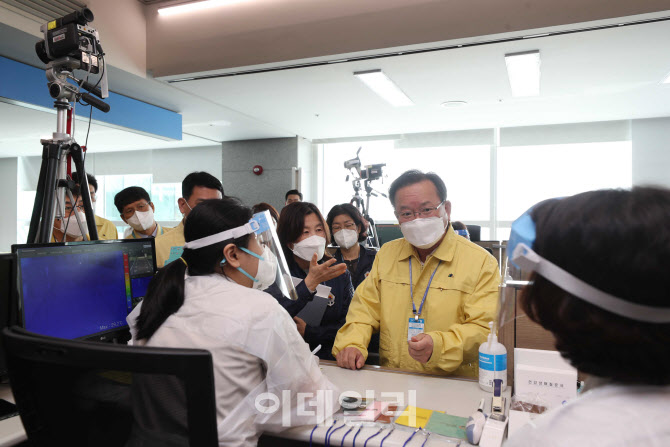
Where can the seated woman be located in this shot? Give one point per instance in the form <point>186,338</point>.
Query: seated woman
<point>207,299</point>
<point>349,230</point>
<point>303,234</point>
<point>600,262</point>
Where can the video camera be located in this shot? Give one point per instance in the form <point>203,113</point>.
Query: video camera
<point>70,44</point>
<point>370,172</point>
<point>70,36</point>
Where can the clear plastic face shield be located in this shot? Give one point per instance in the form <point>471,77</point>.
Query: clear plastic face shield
<point>267,237</point>
<point>261,225</point>
<point>521,259</point>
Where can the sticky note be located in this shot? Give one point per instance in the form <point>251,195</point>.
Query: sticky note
<point>447,425</point>
<point>414,417</point>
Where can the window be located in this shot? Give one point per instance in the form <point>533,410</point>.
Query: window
<point>529,174</point>
<point>163,195</point>
<point>465,170</point>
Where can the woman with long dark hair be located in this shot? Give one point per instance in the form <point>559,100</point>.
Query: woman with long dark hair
<point>304,235</point>
<point>210,298</point>
<point>600,261</point>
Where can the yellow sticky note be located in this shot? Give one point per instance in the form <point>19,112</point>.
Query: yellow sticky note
<point>414,417</point>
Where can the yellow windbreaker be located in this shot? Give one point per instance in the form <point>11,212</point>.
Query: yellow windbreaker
<point>106,229</point>
<point>172,238</point>
<point>461,301</point>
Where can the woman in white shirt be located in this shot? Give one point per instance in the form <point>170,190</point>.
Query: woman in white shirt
<point>208,299</point>
<point>601,261</point>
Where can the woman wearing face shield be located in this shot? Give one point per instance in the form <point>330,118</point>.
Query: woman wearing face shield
<point>600,261</point>
<point>304,235</point>
<point>208,299</point>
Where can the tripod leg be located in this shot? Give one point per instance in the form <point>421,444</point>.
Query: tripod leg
<point>46,220</point>
<point>39,198</point>
<point>76,152</point>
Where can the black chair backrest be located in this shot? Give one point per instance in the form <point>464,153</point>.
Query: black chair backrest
<point>475,232</point>
<point>84,393</point>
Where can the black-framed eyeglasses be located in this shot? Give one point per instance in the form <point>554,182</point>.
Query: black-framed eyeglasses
<point>423,212</point>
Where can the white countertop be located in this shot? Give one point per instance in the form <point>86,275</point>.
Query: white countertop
<point>458,397</point>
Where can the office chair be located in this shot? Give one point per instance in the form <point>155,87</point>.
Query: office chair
<point>81,393</point>
<point>475,232</point>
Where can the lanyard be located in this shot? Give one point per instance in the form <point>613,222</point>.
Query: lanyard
<point>411,289</point>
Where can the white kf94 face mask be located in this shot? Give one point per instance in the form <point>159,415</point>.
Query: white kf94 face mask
<point>424,232</point>
<point>306,248</point>
<point>142,220</point>
<point>346,238</point>
<point>71,227</point>
<point>267,269</point>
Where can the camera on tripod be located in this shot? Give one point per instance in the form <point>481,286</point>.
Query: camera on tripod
<point>70,44</point>
<point>70,36</point>
<point>370,172</point>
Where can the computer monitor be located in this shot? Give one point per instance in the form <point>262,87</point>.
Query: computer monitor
<point>82,290</point>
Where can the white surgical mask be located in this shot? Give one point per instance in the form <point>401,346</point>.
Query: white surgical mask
<point>71,227</point>
<point>267,269</point>
<point>306,248</point>
<point>424,232</point>
<point>142,220</point>
<point>346,238</point>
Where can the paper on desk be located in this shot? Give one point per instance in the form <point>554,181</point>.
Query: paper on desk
<point>415,417</point>
<point>447,425</point>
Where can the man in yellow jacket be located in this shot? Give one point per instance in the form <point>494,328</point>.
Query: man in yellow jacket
<point>429,295</point>
<point>196,187</point>
<point>106,229</point>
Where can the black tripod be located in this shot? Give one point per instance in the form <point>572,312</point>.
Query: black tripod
<point>52,184</point>
<point>364,207</point>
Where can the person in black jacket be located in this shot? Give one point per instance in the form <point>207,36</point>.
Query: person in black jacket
<point>304,235</point>
<point>349,229</point>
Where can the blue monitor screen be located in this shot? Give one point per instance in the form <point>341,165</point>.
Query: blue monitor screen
<point>75,291</point>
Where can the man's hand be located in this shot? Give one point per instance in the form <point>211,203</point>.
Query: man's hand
<point>319,273</point>
<point>301,325</point>
<point>350,358</point>
<point>421,348</point>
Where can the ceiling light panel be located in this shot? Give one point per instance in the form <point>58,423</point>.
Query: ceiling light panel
<point>382,85</point>
<point>523,71</point>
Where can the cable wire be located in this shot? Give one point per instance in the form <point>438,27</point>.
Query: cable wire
<point>384,438</point>
<point>331,434</point>
<point>410,438</point>
<point>345,436</point>
<point>366,441</point>
<point>356,435</point>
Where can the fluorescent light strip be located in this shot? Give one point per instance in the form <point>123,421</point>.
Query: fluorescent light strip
<point>523,71</point>
<point>382,85</point>
<point>195,6</point>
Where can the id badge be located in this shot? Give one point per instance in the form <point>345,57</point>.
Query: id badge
<point>415,327</point>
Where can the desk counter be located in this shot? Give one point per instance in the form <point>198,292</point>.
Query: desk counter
<point>458,397</point>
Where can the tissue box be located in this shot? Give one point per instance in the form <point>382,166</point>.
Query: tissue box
<point>544,374</point>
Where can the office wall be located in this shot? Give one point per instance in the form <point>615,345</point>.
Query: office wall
<point>8,183</point>
<point>277,156</point>
<point>651,151</point>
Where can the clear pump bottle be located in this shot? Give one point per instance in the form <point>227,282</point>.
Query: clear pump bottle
<point>492,362</point>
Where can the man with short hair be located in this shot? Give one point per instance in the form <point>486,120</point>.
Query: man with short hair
<point>137,210</point>
<point>196,187</point>
<point>67,229</point>
<point>430,295</point>
<point>106,229</point>
<point>292,196</point>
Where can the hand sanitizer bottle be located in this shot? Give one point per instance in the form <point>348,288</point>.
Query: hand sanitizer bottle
<point>492,362</point>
